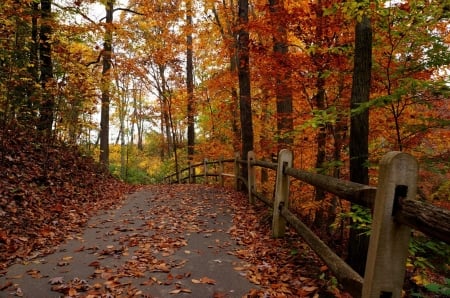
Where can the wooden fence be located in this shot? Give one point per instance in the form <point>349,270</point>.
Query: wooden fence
<point>394,212</point>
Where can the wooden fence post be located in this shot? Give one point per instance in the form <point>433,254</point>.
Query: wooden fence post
<point>251,176</point>
<point>281,199</point>
<point>389,240</point>
<point>205,170</point>
<point>221,171</point>
<point>237,170</point>
<point>189,172</point>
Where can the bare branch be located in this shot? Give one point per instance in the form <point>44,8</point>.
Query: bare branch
<point>76,10</point>
<point>128,10</point>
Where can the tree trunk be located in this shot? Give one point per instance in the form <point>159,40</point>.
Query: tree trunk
<point>359,132</point>
<point>48,102</point>
<point>104,114</point>
<point>166,111</point>
<point>190,84</point>
<point>230,37</point>
<point>319,103</point>
<point>245,102</point>
<point>285,124</point>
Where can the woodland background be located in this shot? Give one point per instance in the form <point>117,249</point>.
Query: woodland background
<point>151,85</point>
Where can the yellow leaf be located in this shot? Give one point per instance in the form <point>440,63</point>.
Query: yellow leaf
<point>420,280</point>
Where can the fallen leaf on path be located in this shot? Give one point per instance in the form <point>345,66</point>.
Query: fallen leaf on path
<point>204,280</point>
<point>6,285</point>
<point>178,291</point>
<point>34,273</point>
<point>56,280</point>
<point>94,264</point>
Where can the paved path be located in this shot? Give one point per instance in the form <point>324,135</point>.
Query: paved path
<point>162,242</point>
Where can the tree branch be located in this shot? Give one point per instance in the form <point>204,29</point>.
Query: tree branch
<point>76,10</point>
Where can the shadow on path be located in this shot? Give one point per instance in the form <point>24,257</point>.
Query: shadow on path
<point>163,241</point>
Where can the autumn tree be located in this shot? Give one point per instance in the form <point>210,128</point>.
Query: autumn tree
<point>410,61</point>
<point>359,130</point>
<point>245,103</point>
<point>225,19</point>
<point>106,81</point>
<point>47,105</point>
<point>283,91</point>
<point>190,83</point>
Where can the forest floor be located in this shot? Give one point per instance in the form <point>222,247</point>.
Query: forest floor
<point>69,228</point>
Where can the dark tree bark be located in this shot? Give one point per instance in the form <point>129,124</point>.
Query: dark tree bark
<point>285,123</point>
<point>104,114</point>
<point>190,85</point>
<point>48,102</point>
<point>245,101</point>
<point>359,132</point>
<point>33,68</point>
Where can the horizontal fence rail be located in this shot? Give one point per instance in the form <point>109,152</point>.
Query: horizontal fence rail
<point>394,212</point>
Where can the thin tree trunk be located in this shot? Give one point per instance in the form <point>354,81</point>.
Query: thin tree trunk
<point>320,105</point>
<point>359,133</point>
<point>166,112</point>
<point>104,114</point>
<point>285,124</point>
<point>245,102</point>
<point>230,37</point>
<point>190,84</point>
<point>48,102</point>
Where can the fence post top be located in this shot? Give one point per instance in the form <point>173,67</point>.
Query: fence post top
<point>285,152</point>
<point>397,155</point>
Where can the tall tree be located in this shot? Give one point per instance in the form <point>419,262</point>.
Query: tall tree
<point>245,102</point>
<point>359,131</point>
<point>47,102</point>
<point>106,81</point>
<point>285,123</point>
<point>230,40</point>
<point>190,83</point>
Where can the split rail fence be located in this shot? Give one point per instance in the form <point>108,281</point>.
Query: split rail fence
<point>394,212</point>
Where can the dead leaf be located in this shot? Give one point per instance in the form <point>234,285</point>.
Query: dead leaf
<point>181,290</point>
<point>310,288</point>
<point>6,285</point>
<point>94,264</point>
<point>56,280</point>
<point>72,292</point>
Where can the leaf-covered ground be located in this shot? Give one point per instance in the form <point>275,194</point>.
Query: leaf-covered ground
<point>46,193</point>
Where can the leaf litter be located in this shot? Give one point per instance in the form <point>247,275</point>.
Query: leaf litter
<point>48,192</point>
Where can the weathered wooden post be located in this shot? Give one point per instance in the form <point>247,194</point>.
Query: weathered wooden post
<point>281,198</point>
<point>205,171</point>
<point>251,176</point>
<point>221,171</point>
<point>190,172</point>
<point>389,240</point>
<point>237,170</point>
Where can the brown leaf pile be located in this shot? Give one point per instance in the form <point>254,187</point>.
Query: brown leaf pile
<point>46,193</point>
<point>284,267</point>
